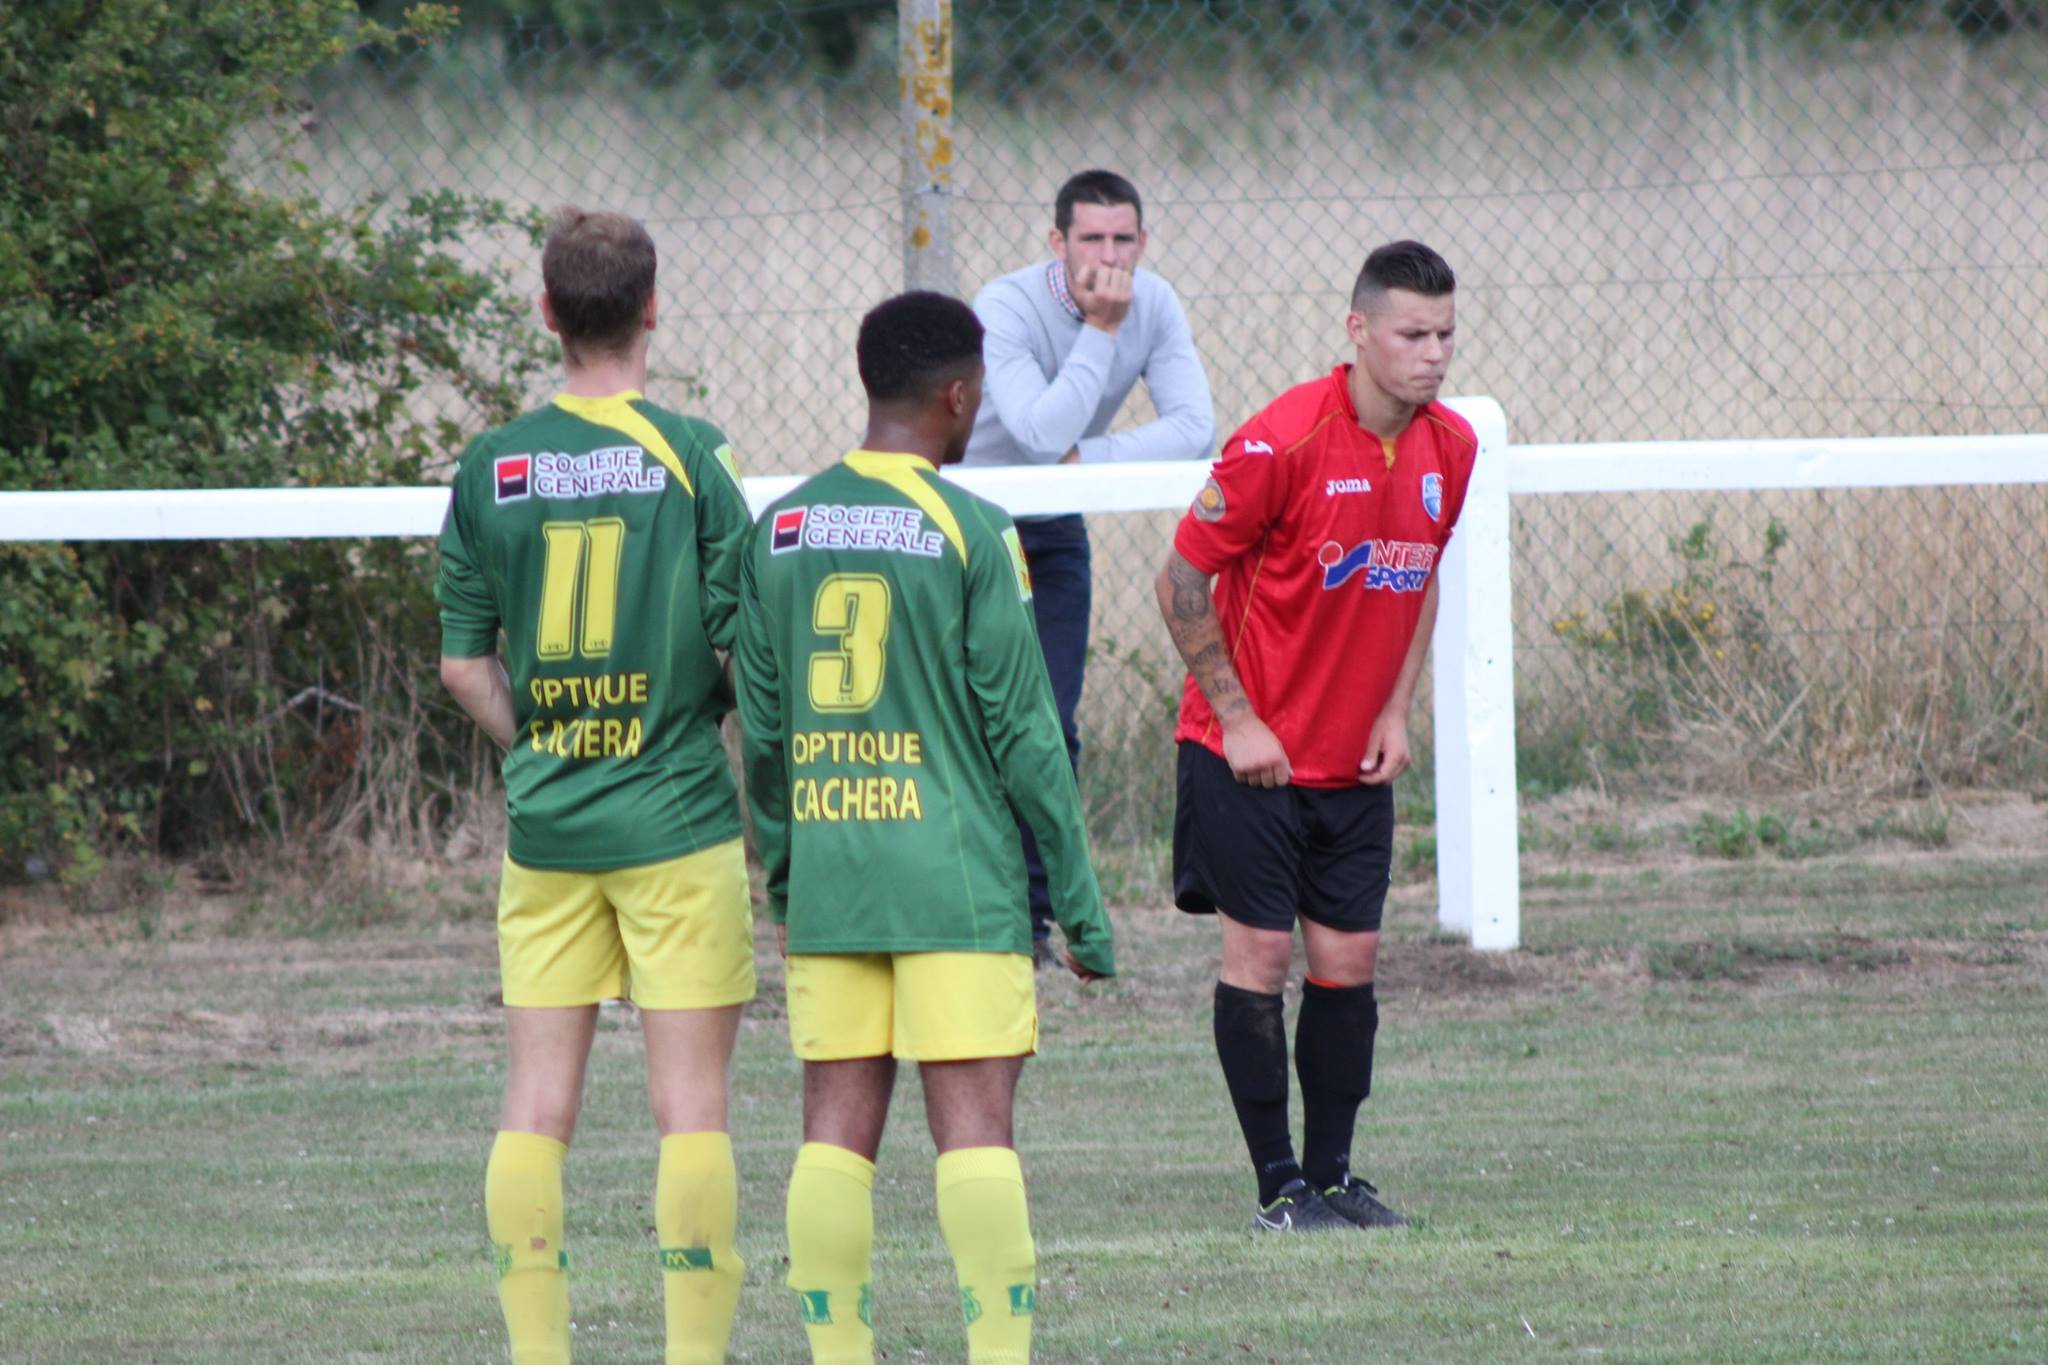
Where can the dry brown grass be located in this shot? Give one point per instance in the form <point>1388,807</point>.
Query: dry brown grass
<point>1804,243</point>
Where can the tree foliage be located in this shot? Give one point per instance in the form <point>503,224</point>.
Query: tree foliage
<point>1004,48</point>
<point>164,325</point>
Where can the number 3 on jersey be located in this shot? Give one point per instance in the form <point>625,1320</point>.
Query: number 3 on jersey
<point>855,608</point>
<point>579,554</point>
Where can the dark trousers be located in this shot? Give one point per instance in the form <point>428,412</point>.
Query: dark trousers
<point>1056,550</point>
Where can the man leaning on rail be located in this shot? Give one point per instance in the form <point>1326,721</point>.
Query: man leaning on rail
<point>1065,342</point>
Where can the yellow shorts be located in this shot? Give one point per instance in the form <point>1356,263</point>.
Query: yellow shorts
<point>675,935</point>
<point>921,1007</point>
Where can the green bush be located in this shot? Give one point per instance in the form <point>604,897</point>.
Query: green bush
<point>1005,49</point>
<point>1673,651</point>
<point>1699,653</point>
<point>164,326</point>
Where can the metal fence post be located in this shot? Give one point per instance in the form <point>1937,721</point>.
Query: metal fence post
<point>925,98</point>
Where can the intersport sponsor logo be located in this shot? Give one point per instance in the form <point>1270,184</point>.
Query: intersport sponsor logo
<point>1388,565</point>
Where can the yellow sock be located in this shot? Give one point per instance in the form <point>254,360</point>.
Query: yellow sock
<point>988,1227</point>
<point>696,1212</point>
<point>831,1243</point>
<point>523,1207</point>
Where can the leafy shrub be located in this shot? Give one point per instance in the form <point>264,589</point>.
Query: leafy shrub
<point>164,326</point>
<point>1006,48</point>
<point>1698,653</point>
<point>1669,650</point>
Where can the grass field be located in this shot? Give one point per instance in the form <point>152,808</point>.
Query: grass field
<point>1756,1110</point>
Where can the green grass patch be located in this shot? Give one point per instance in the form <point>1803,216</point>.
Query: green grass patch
<point>1923,826</point>
<point>1418,857</point>
<point>1744,959</point>
<point>1606,836</point>
<point>1759,1110</point>
<point>1737,834</point>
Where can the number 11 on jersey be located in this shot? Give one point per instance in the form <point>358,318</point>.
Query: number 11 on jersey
<point>581,554</point>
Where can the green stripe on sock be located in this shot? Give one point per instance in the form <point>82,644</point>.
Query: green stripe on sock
<point>686,1258</point>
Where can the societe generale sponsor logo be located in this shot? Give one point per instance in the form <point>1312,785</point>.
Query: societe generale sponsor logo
<point>788,531</point>
<point>514,477</point>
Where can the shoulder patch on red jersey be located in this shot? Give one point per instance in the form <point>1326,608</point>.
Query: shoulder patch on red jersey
<point>1208,504</point>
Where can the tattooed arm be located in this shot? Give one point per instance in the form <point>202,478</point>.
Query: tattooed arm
<point>1254,752</point>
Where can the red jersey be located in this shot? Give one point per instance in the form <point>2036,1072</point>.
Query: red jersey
<point>1323,537</point>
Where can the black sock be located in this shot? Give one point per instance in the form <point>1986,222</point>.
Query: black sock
<point>1333,1057</point>
<point>1251,1042</point>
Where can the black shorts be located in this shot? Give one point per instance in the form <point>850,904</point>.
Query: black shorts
<point>1263,855</point>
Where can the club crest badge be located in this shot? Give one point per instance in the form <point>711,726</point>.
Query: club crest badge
<point>1209,502</point>
<point>1018,562</point>
<point>1433,496</point>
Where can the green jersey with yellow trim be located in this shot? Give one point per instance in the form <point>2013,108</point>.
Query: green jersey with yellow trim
<point>898,720</point>
<point>603,536</point>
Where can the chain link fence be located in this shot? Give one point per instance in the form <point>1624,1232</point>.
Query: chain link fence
<point>1684,218</point>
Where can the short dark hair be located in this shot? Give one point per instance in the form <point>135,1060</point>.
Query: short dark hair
<point>1402,265</point>
<point>598,269</point>
<point>916,343</point>
<point>1093,187</point>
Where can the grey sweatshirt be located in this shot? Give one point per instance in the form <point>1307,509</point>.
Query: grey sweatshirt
<point>1055,383</point>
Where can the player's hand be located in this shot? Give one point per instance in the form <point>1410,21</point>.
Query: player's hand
<point>1386,751</point>
<point>1080,973</point>
<point>1103,294</point>
<point>1255,754</point>
<point>1072,456</point>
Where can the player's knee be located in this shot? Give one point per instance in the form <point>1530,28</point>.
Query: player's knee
<point>1343,959</point>
<point>696,1110</point>
<point>1259,967</point>
<point>551,1118</point>
<point>1342,974</point>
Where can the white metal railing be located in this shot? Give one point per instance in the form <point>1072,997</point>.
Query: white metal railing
<point>1478,874</point>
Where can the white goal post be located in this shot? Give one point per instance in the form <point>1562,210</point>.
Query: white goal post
<point>1478,860</point>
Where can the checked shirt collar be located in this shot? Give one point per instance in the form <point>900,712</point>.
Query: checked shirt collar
<point>1056,280</point>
